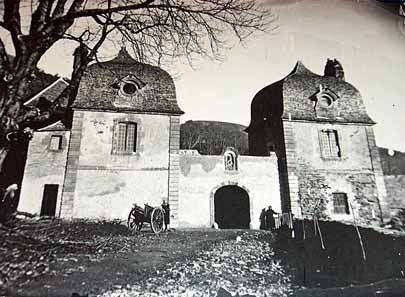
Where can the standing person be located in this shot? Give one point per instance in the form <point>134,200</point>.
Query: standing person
<point>263,219</point>
<point>166,208</point>
<point>270,218</point>
<point>7,203</point>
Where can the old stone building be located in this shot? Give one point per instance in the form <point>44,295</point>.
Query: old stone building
<point>309,138</point>
<point>122,147</point>
<point>318,127</point>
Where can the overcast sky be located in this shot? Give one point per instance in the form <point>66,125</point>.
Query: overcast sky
<point>368,40</point>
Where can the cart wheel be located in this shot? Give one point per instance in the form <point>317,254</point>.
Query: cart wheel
<point>133,222</point>
<point>156,220</point>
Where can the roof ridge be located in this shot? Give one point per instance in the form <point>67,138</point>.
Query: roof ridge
<point>60,79</point>
<point>300,68</point>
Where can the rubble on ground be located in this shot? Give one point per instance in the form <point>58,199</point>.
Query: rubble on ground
<point>245,266</point>
<point>29,246</point>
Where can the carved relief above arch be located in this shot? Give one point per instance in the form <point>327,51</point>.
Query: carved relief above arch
<point>231,159</point>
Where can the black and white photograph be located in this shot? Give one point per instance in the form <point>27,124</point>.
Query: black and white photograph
<point>202,148</point>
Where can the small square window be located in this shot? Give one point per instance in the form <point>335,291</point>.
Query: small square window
<point>56,143</point>
<point>329,142</point>
<point>340,203</point>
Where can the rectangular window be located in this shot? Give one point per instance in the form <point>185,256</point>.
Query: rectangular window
<point>329,142</point>
<point>340,203</point>
<point>125,134</point>
<point>56,143</point>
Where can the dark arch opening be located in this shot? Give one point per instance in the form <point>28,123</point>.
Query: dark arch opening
<point>231,208</point>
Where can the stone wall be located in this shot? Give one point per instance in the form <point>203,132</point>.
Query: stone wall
<point>201,176</point>
<point>174,169</point>
<point>353,173</point>
<point>395,185</point>
<point>43,166</point>
<point>100,184</point>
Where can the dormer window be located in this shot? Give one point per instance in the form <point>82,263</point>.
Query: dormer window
<point>128,86</point>
<point>324,97</point>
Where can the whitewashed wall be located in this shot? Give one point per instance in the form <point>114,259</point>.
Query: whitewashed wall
<point>201,176</point>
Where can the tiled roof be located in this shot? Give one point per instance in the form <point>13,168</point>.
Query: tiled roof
<point>101,87</point>
<point>301,84</point>
<point>50,93</point>
<point>293,98</point>
<point>57,126</point>
<point>43,100</point>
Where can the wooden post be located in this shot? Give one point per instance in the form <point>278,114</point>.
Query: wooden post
<point>320,234</point>
<point>358,233</point>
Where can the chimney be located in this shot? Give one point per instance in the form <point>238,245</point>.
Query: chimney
<point>334,68</point>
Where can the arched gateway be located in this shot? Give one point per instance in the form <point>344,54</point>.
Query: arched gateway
<point>232,208</point>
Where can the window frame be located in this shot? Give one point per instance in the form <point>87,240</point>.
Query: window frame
<point>326,147</point>
<point>338,208</point>
<point>59,144</point>
<point>121,144</point>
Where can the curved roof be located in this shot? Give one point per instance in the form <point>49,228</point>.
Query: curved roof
<point>104,86</point>
<point>294,98</point>
<point>301,85</point>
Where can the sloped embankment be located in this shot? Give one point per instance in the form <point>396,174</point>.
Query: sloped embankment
<point>341,263</point>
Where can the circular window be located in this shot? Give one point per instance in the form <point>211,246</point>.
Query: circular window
<point>129,88</point>
<point>326,99</point>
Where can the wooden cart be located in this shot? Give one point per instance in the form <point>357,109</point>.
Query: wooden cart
<point>151,215</point>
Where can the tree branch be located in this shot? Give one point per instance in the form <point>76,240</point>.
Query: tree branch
<point>59,9</point>
<point>4,61</point>
<point>75,13</point>
<point>12,18</point>
<point>59,108</point>
<point>41,16</point>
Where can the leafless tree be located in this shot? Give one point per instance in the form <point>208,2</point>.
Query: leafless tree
<point>157,30</point>
<point>189,140</point>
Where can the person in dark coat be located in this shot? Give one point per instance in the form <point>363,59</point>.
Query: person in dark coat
<point>263,219</point>
<point>166,208</point>
<point>8,203</point>
<point>270,218</point>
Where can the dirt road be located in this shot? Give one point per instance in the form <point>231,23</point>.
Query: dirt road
<point>58,258</point>
<point>243,265</point>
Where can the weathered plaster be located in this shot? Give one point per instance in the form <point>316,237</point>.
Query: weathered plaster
<point>43,166</point>
<point>107,184</point>
<point>353,173</point>
<point>258,176</point>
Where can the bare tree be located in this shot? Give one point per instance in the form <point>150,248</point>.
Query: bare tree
<point>157,30</point>
<point>189,140</point>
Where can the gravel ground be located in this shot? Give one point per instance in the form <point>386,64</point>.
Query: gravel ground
<point>243,266</point>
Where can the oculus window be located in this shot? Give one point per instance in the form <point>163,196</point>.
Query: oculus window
<point>128,86</point>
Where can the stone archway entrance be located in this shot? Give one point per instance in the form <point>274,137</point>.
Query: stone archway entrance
<point>231,208</point>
